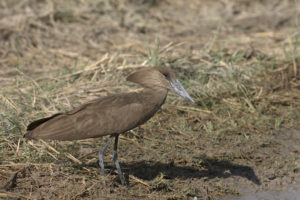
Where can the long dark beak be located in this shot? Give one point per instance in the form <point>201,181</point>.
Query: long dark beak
<point>179,89</point>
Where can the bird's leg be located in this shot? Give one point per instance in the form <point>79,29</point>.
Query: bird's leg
<point>101,153</point>
<point>115,157</point>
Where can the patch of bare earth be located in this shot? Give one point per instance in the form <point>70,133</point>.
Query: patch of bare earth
<point>238,59</point>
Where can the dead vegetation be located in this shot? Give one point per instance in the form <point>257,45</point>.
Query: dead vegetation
<point>244,75</point>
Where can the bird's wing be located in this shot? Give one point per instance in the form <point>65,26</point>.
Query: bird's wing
<point>108,115</point>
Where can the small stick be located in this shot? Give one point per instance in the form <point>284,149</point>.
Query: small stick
<point>139,180</point>
<point>73,158</point>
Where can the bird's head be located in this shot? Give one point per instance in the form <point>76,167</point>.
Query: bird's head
<point>160,77</point>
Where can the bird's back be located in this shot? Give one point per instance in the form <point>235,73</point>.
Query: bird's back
<point>113,114</point>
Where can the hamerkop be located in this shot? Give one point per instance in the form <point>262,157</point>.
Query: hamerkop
<point>113,114</point>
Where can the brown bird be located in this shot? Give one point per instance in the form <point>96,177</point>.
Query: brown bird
<point>113,114</point>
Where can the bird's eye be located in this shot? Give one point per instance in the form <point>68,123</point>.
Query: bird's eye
<point>166,75</point>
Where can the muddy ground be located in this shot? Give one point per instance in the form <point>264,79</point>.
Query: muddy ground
<point>239,60</point>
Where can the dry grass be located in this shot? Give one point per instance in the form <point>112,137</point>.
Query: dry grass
<point>244,76</point>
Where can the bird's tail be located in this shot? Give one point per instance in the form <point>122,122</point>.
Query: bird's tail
<point>35,124</point>
<point>28,135</point>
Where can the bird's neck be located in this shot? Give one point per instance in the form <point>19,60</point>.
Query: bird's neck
<point>155,96</point>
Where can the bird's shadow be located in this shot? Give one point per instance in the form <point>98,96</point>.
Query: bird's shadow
<point>210,168</point>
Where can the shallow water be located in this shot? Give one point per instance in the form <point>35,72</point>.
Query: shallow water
<point>291,192</point>
<point>290,142</point>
